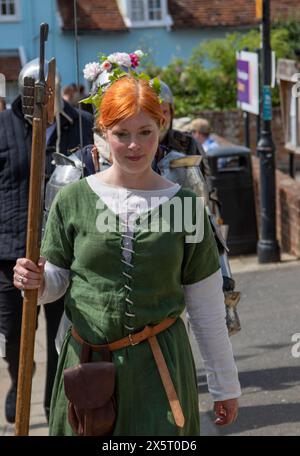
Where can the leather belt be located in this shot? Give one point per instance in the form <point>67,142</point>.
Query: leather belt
<point>148,333</point>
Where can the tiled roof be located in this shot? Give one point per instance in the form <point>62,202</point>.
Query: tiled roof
<point>105,15</point>
<point>10,66</point>
<point>237,13</point>
<point>92,15</point>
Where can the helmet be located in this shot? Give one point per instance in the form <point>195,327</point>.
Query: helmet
<point>166,93</point>
<point>103,80</point>
<point>31,69</point>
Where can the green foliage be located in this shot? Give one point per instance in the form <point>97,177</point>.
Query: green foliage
<point>289,33</point>
<point>207,80</point>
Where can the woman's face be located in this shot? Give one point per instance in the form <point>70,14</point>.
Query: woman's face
<point>133,143</point>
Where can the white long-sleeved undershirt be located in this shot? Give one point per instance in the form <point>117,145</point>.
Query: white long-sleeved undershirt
<point>204,300</point>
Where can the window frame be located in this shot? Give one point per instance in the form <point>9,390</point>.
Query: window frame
<point>164,21</point>
<point>10,17</point>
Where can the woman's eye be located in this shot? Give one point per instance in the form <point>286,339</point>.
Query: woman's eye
<point>120,134</point>
<point>146,132</point>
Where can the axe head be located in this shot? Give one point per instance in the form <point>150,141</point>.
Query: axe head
<point>28,98</point>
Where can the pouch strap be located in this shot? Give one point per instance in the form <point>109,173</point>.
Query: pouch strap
<point>85,356</point>
<point>167,382</point>
<point>85,353</point>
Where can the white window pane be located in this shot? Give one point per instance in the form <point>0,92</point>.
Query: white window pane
<point>137,10</point>
<point>155,15</point>
<point>155,10</point>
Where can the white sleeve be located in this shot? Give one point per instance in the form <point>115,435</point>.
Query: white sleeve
<point>206,314</point>
<point>56,283</point>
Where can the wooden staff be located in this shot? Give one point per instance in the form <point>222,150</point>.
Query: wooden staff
<point>40,104</point>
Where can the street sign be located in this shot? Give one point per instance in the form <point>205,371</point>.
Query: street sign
<point>248,82</point>
<point>267,103</point>
<point>243,85</point>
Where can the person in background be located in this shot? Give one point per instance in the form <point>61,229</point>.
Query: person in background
<point>201,131</point>
<point>82,95</point>
<point>15,145</point>
<point>70,94</point>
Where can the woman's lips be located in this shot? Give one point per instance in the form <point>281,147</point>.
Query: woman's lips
<point>135,158</point>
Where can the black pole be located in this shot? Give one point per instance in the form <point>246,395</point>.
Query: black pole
<point>246,128</point>
<point>267,247</point>
<point>77,73</point>
<point>292,164</point>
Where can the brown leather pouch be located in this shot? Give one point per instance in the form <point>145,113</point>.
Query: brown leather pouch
<point>90,389</point>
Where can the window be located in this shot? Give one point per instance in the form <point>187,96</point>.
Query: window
<point>155,10</point>
<point>9,10</point>
<point>137,11</point>
<point>149,13</point>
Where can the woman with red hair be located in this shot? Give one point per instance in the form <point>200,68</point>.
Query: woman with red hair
<point>128,271</point>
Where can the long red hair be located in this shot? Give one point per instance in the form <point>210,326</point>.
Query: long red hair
<point>127,97</point>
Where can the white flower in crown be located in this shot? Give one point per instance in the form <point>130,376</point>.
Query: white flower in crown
<point>139,54</point>
<point>91,71</point>
<point>120,58</point>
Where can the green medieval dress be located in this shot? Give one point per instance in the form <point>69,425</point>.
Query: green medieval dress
<point>106,296</point>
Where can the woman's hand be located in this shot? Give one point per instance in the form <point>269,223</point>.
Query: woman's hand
<point>29,276</point>
<point>226,411</point>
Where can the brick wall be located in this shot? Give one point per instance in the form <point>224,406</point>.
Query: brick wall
<point>287,209</point>
<point>230,125</point>
<point>10,66</point>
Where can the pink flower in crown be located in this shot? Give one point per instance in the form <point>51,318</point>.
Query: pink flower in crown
<point>134,60</point>
<point>106,65</point>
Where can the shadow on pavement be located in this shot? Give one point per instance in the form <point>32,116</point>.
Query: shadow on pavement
<point>271,379</point>
<point>266,379</point>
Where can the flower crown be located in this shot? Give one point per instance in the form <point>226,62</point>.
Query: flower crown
<point>110,69</point>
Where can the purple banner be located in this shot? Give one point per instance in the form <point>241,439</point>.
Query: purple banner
<point>243,86</point>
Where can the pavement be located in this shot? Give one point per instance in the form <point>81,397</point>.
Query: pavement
<point>264,352</point>
<point>269,374</point>
<point>38,422</point>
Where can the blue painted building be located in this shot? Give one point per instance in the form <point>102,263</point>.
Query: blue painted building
<point>164,28</point>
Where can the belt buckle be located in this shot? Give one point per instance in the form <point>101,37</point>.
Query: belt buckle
<point>131,341</point>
